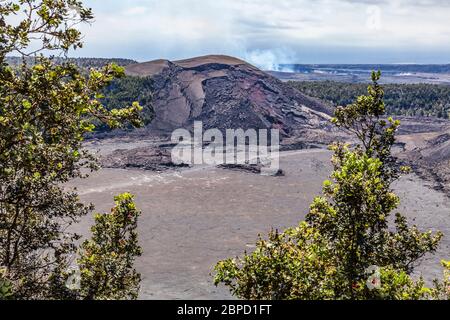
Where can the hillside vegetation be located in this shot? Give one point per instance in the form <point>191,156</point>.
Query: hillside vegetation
<point>122,92</point>
<point>401,99</point>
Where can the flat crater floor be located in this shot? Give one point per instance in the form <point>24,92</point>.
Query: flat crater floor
<point>195,217</point>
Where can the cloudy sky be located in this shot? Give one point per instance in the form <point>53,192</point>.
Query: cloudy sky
<point>268,32</point>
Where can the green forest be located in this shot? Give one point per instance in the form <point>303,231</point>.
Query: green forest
<point>401,99</point>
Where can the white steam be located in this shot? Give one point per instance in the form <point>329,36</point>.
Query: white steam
<point>270,60</point>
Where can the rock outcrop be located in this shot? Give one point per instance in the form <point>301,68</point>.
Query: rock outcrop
<point>225,92</point>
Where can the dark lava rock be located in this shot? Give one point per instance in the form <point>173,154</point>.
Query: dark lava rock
<point>147,158</point>
<point>250,168</point>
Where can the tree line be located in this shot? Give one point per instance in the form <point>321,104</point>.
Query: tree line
<point>429,100</point>
<point>84,63</point>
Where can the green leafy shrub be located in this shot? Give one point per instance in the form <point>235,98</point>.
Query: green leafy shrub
<point>6,288</point>
<point>347,232</point>
<point>106,260</point>
<point>289,265</point>
<point>46,109</point>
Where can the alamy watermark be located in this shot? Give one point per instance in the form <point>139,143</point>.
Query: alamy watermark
<point>227,147</point>
<point>73,281</point>
<point>374,18</point>
<point>374,280</point>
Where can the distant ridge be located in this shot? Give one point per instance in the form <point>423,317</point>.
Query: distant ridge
<point>80,62</point>
<point>154,67</point>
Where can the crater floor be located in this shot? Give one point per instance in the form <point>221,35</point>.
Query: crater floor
<point>195,217</point>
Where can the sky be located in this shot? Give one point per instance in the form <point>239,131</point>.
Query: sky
<point>271,32</point>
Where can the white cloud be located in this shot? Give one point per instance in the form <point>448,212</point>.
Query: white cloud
<point>147,29</point>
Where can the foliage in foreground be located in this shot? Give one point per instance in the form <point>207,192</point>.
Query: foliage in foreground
<point>46,108</point>
<point>124,91</point>
<point>346,248</point>
<point>105,264</point>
